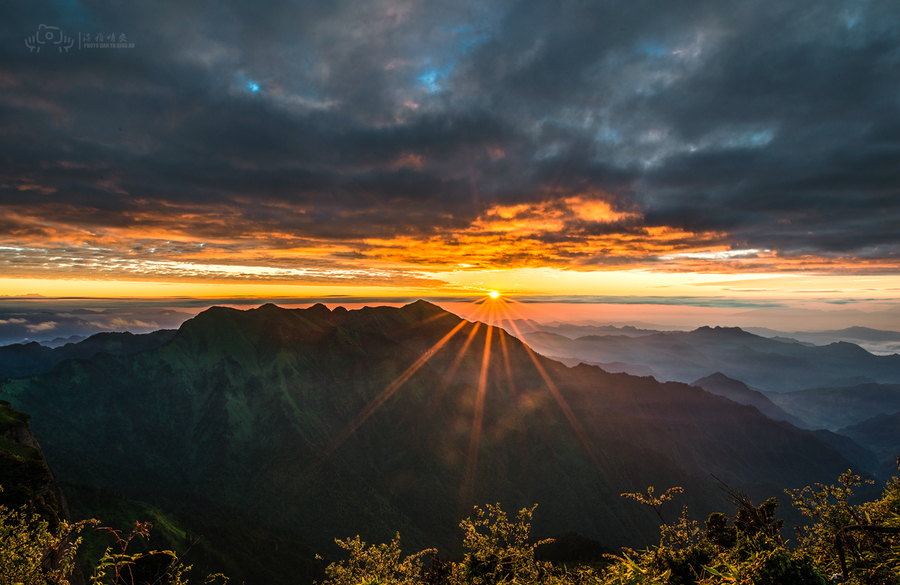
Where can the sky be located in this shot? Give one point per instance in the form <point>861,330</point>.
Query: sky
<point>724,154</point>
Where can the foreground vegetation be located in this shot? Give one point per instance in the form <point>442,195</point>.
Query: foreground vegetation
<point>844,543</point>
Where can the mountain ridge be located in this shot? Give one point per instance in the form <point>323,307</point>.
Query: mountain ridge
<point>769,364</point>
<point>273,411</point>
<point>719,383</point>
<point>24,359</point>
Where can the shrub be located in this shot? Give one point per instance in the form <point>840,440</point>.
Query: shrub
<point>377,564</point>
<point>859,543</point>
<point>33,554</point>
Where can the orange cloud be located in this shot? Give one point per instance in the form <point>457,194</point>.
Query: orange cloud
<point>184,243</point>
<point>575,232</point>
<point>596,210</point>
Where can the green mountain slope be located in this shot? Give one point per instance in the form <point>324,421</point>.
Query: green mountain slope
<point>253,412</point>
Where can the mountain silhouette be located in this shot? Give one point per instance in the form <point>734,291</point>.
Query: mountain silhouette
<point>327,424</point>
<point>736,390</point>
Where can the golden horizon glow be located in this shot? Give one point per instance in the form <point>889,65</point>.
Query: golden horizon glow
<point>570,245</point>
<point>828,292</point>
<point>564,234</point>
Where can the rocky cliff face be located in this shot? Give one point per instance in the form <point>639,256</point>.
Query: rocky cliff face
<point>27,480</point>
<point>24,474</point>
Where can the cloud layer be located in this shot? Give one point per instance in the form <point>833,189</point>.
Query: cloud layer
<point>378,141</point>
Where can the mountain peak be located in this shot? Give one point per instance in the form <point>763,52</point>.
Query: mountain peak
<point>319,310</point>
<point>424,308</point>
<point>707,328</point>
<point>716,377</point>
<point>723,385</point>
<point>739,392</point>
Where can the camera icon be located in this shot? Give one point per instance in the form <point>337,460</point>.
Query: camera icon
<point>49,34</point>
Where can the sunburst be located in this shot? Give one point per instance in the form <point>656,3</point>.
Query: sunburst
<point>490,312</point>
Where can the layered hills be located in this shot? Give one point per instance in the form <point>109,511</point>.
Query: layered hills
<point>843,406</point>
<point>323,424</point>
<point>736,390</point>
<point>768,364</point>
<point>876,341</point>
<point>23,359</point>
<point>881,434</point>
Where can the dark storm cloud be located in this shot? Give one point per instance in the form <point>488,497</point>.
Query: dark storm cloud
<point>774,124</point>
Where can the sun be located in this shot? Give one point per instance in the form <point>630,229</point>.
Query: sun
<point>494,294</point>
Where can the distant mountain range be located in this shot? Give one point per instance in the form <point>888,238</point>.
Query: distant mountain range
<point>829,388</point>
<point>873,340</point>
<point>324,424</point>
<point>23,359</point>
<point>768,364</point>
<point>573,331</point>
<point>834,408</point>
<point>61,341</point>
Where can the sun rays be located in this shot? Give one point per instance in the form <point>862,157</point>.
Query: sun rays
<point>560,400</point>
<point>490,314</point>
<point>390,389</point>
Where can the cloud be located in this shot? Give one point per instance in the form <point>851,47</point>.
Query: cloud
<point>119,323</point>
<point>35,318</point>
<point>374,140</point>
